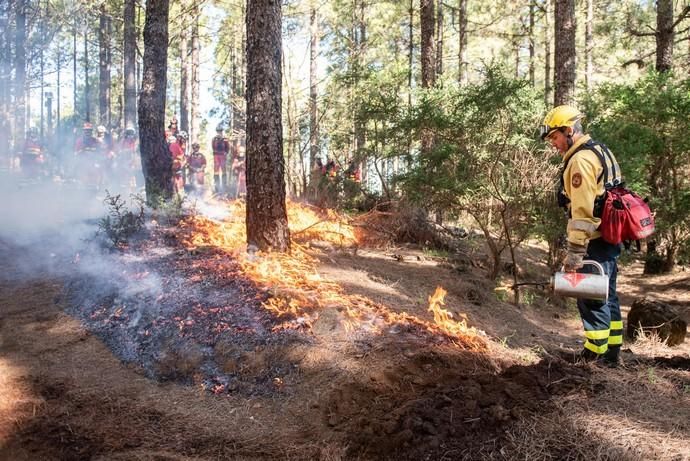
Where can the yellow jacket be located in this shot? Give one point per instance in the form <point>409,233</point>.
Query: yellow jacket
<point>583,182</point>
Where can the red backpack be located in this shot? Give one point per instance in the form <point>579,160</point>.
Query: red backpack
<point>624,214</point>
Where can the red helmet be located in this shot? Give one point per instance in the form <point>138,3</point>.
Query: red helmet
<point>88,126</point>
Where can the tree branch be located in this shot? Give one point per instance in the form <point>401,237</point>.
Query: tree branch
<point>683,14</point>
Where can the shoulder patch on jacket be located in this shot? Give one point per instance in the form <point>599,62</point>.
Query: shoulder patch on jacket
<point>576,180</point>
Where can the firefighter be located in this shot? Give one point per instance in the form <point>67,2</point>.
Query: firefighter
<point>127,157</point>
<point>221,149</point>
<point>172,128</point>
<point>88,164</point>
<point>105,152</point>
<point>352,172</point>
<point>178,164</point>
<point>588,169</point>
<point>32,155</point>
<point>197,168</point>
<point>238,171</point>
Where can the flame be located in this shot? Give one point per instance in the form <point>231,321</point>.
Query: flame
<point>443,318</point>
<point>297,291</point>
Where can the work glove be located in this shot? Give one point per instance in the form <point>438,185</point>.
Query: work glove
<point>573,260</point>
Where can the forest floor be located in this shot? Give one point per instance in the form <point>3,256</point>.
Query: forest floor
<point>166,351</point>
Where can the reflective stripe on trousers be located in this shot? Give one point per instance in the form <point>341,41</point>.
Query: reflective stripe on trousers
<point>602,320</point>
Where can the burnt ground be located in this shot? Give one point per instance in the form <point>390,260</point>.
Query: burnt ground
<point>160,353</point>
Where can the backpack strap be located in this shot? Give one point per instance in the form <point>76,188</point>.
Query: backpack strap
<point>607,174</point>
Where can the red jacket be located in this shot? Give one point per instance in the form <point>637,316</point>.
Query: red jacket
<point>197,162</point>
<point>220,145</point>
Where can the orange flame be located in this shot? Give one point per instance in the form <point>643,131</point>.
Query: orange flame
<point>297,290</point>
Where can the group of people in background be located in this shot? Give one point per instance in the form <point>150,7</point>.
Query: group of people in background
<point>99,158</point>
<point>189,167</point>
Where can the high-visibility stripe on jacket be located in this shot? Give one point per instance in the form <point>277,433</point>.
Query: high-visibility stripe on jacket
<point>584,180</point>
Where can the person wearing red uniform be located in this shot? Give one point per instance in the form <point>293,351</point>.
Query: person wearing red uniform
<point>88,162</point>
<point>238,170</point>
<point>32,158</point>
<point>172,128</point>
<point>127,149</point>
<point>197,168</point>
<point>178,164</point>
<point>221,149</point>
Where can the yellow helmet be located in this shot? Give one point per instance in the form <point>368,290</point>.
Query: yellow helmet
<point>559,117</point>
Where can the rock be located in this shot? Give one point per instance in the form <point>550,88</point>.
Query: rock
<point>655,316</point>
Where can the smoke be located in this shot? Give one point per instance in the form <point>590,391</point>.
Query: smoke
<point>53,227</point>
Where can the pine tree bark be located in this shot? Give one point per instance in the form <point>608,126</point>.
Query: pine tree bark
<point>664,35</point>
<point>41,59</point>
<point>74,69</point>
<point>20,72</point>
<point>155,161</point>
<point>565,56</point>
<point>130,58</point>
<point>267,226</point>
<point>428,24</point>
<point>532,8</point>
<point>589,44</point>
<point>87,87</point>
<point>185,68</point>
<point>410,56</point>
<point>5,82</point>
<point>462,41</point>
<point>439,40</point>
<point>313,88</point>
<point>548,82</point>
<point>194,104</point>
<point>360,62</point>
<point>58,86</point>
<point>104,68</point>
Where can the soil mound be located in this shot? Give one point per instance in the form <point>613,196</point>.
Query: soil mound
<point>458,404</point>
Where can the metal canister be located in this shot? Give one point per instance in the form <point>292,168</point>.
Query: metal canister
<point>579,285</point>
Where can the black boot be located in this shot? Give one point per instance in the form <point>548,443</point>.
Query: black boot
<point>612,356</point>
<point>588,356</point>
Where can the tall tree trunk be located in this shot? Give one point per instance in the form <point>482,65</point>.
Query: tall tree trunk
<point>439,40</point>
<point>360,133</point>
<point>267,226</point>
<point>41,65</point>
<point>155,161</point>
<point>130,58</point>
<point>20,72</point>
<point>548,81</point>
<point>313,89</point>
<point>87,89</point>
<point>138,59</point>
<point>532,8</point>
<point>589,44</point>
<point>58,86</point>
<point>185,87</point>
<point>462,41</point>
<point>194,112</point>
<point>664,35</point>
<point>428,21</point>
<point>565,52</point>
<point>233,84</point>
<point>6,87</point>
<point>410,56</point>
<point>104,68</point>
<point>74,69</point>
